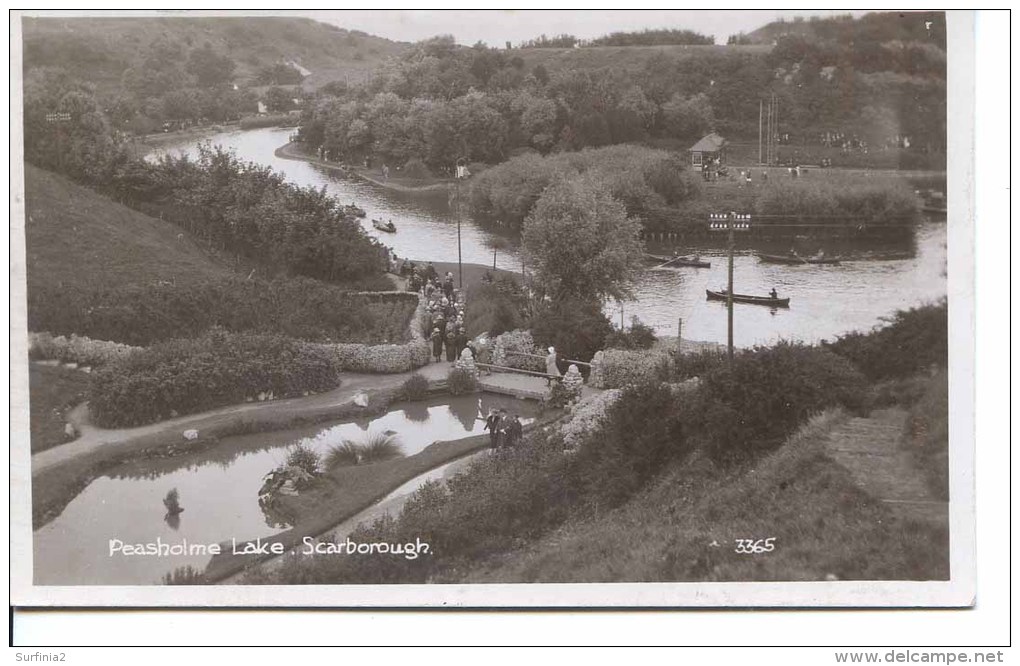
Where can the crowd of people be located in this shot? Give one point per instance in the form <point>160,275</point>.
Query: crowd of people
<point>445,309</point>
<point>505,431</point>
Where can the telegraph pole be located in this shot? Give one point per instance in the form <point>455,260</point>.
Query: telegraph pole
<point>461,172</point>
<point>59,120</point>
<point>729,223</point>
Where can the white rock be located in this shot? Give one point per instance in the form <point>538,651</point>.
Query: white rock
<point>86,369</point>
<point>190,434</point>
<point>262,396</point>
<point>361,399</point>
<point>70,430</point>
<point>72,366</point>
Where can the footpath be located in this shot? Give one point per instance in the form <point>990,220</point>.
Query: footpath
<point>869,448</point>
<point>93,438</point>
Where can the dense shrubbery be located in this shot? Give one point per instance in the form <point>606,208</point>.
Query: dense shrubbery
<point>460,381</point>
<point>616,368</point>
<point>624,439</point>
<point>415,387</point>
<point>913,341</point>
<point>638,336</point>
<point>643,179</point>
<point>576,328</point>
<point>496,307</point>
<point>749,407</point>
<point>516,349</point>
<point>301,308</point>
<point>219,368</point>
<point>884,202</point>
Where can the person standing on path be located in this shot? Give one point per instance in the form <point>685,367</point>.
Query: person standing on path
<point>451,345</point>
<point>492,425</point>
<point>550,364</point>
<point>437,345</point>
<point>515,431</point>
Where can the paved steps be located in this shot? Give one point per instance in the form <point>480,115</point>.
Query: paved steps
<point>870,449</point>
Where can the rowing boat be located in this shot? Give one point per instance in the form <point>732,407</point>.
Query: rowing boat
<point>388,227</point>
<point>678,261</point>
<point>750,300</point>
<point>795,260</point>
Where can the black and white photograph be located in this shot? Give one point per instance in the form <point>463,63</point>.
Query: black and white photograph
<point>492,308</point>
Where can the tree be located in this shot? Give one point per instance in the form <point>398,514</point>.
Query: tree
<point>209,68</point>
<point>279,99</point>
<point>581,243</point>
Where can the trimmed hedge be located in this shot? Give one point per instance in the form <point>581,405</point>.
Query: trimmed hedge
<point>219,368</point>
<point>386,359</point>
<point>76,349</point>
<point>617,368</point>
<point>297,307</point>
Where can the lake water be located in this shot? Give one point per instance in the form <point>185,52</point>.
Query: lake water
<point>825,300</point>
<point>219,492</point>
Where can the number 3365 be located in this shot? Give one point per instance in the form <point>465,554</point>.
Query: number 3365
<point>753,546</point>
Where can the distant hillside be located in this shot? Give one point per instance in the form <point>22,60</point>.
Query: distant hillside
<point>906,26</point>
<point>101,49</point>
<point>75,236</point>
<point>629,58</point>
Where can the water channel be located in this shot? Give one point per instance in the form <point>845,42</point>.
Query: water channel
<point>826,299</point>
<point>219,492</point>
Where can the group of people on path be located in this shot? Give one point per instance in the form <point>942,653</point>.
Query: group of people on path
<point>445,314</point>
<point>505,431</point>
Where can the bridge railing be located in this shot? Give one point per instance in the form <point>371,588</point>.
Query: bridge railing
<point>503,368</point>
<point>517,353</point>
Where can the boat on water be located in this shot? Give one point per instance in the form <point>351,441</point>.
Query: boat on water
<point>354,210</point>
<point>795,260</point>
<point>690,262</point>
<point>750,300</point>
<point>387,226</point>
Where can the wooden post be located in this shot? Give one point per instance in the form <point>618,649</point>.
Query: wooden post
<point>679,335</point>
<point>729,297</point>
<point>759,131</point>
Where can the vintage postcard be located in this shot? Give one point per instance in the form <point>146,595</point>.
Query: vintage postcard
<point>492,309</point>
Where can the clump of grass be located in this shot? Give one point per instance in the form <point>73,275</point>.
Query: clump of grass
<point>346,454</point>
<point>376,448</point>
<point>304,458</point>
<point>379,447</point>
<point>416,387</point>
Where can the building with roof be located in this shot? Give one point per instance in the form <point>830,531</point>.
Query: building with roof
<point>710,149</point>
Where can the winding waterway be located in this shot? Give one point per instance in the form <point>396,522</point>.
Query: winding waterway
<point>219,492</point>
<point>826,300</point>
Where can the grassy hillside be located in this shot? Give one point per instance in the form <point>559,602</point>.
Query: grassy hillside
<point>685,527</point>
<point>75,236</point>
<point>100,49</point>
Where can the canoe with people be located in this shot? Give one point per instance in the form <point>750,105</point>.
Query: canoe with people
<point>772,300</point>
<point>676,260</point>
<point>386,226</point>
<point>795,259</point>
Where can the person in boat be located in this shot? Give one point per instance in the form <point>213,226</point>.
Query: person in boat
<point>774,294</point>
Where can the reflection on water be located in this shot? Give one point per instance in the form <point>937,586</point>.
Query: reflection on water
<point>219,492</point>
<point>878,278</point>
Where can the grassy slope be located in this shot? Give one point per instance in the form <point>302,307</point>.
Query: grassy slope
<point>823,524</point>
<point>100,49</point>
<point>74,235</point>
<point>52,391</point>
